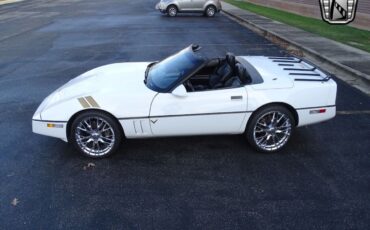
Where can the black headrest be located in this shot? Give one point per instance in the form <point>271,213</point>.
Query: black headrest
<point>244,76</point>
<point>230,58</point>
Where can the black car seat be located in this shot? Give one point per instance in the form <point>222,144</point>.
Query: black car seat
<point>213,63</point>
<point>242,77</point>
<point>223,72</point>
<point>233,82</point>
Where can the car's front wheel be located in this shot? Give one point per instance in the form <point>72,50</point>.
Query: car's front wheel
<point>95,134</point>
<point>210,11</point>
<point>172,11</point>
<point>270,129</point>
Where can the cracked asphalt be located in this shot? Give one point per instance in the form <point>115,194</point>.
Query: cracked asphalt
<point>320,181</point>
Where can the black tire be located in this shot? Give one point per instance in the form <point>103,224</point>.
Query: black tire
<point>111,130</point>
<point>172,10</point>
<point>270,134</point>
<point>210,11</point>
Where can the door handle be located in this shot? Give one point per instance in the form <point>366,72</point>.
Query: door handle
<point>236,97</point>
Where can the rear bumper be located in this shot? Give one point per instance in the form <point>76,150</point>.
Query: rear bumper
<point>56,129</point>
<point>310,116</point>
<point>219,7</point>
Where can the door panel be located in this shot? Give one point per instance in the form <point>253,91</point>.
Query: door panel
<point>185,5</point>
<point>198,4</point>
<point>207,112</point>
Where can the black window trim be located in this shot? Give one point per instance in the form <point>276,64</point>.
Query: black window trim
<point>255,75</point>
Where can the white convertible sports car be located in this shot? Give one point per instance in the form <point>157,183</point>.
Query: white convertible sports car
<point>187,94</point>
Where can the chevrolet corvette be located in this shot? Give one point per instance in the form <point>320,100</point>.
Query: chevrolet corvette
<point>262,97</point>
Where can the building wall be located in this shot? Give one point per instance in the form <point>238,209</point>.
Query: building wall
<point>311,8</point>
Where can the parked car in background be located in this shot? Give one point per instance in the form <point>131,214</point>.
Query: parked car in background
<point>187,94</point>
<point>172,7</point>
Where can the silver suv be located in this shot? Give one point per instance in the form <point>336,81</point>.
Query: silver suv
<point>172,7</point>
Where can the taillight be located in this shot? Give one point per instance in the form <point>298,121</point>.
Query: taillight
<point>316,111</point>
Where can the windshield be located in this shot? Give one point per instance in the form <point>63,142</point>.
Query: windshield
<point>164,75</point>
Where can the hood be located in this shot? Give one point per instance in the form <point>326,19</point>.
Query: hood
<point>112,78</point>
<point>115,88</point>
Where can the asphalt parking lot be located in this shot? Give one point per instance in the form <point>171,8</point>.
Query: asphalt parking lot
<point>320,181</point>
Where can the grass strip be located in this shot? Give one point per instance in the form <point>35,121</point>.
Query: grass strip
<point>342,33</point>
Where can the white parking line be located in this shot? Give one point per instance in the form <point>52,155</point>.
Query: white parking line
<point>353,112</point>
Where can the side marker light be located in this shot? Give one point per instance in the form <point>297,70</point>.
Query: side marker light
<point>316,111</point>
<point>51,125</point>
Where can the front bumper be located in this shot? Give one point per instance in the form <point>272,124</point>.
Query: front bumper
<point>308,117</point>
<point>56,129</point>
<point>161,7</point>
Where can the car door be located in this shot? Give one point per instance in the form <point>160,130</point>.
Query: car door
<point>198,4</point>
<point>185,5</point>
<point>195,113</point>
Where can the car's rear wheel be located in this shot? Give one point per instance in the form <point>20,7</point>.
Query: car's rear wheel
<point>172,10</point>
<point>210,11</point>
<point>270,129</point>
<point>96,134</point>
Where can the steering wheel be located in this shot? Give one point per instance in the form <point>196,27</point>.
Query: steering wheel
<point>189,85</point>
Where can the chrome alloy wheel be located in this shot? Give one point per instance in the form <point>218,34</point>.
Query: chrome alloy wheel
<point>95,136</point>
<point>272,131</point>
<point>210,11</point>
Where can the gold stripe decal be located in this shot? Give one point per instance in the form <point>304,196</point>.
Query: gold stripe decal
<point>83,102</point>
<point>92,102</point>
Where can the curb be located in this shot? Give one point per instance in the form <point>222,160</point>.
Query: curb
<point>356,78</point>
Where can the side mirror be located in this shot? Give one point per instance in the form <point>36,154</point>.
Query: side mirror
<point>179,91</point>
